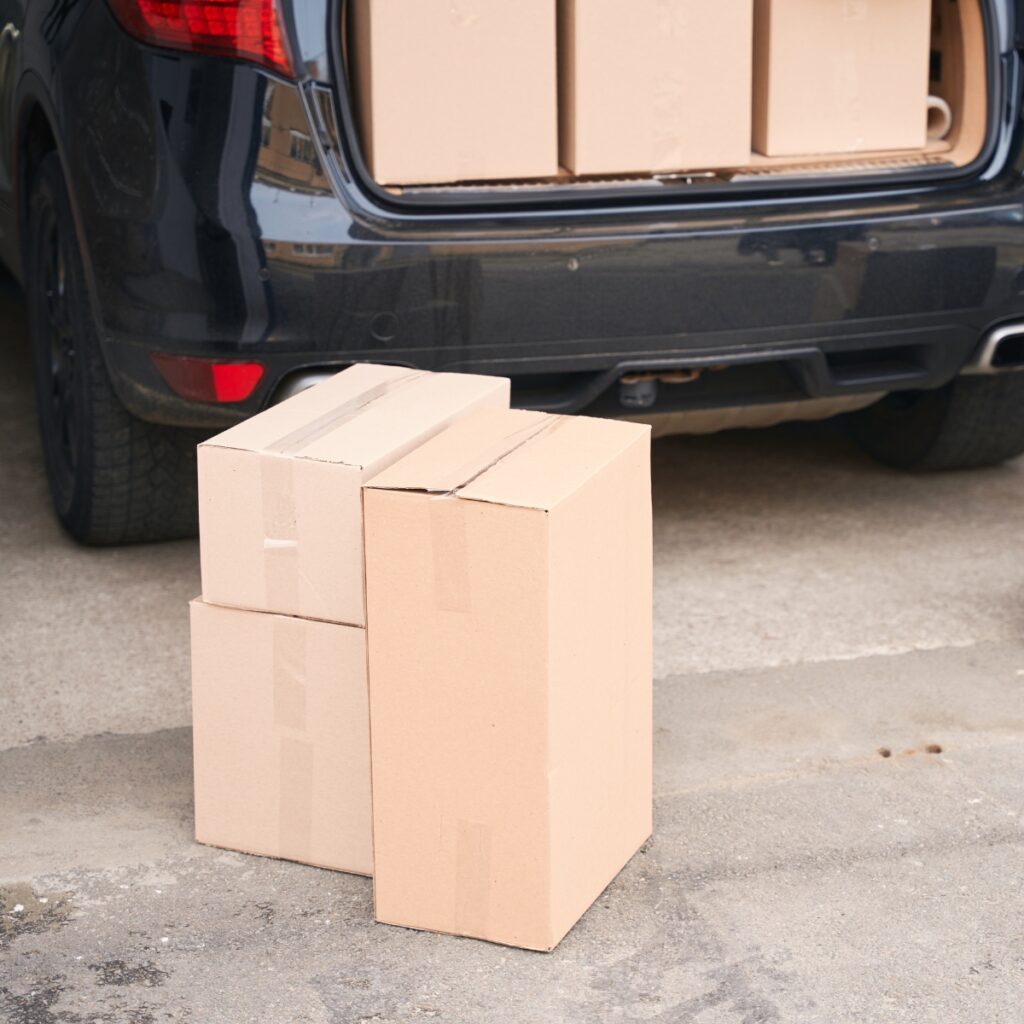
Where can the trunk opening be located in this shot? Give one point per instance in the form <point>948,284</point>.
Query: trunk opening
<point>961,81</point>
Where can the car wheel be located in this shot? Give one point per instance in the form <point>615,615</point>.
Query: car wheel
<point>114,478</point>
<point>972,422</point>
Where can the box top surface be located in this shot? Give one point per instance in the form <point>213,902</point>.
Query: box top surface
<point>359,416</point>
<point>512,457</point>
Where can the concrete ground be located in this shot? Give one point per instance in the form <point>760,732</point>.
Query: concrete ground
<point>813,610</point>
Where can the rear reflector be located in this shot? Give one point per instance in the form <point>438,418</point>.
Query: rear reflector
<point>204,380</point>
<point>249,30</point>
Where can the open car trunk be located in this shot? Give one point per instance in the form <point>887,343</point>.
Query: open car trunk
<point>960,114</point>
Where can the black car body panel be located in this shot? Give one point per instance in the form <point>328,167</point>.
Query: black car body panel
<point>221,211</point>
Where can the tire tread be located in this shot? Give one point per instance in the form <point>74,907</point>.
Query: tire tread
<point>138,479</point>
<point>973,422</point>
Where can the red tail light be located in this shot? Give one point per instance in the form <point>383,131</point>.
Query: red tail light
<point>249,30</point>
<point>205,380</point>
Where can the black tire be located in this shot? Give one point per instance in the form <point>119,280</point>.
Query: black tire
<point>114,478</point>
<point>975,421</point>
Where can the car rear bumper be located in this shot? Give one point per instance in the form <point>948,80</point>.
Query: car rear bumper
<point>885,301</point>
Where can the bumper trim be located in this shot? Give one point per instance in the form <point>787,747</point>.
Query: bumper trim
<point>994,354</point>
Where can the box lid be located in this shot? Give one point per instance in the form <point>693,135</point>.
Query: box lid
<point>357,417</point>
<point>512,457</point>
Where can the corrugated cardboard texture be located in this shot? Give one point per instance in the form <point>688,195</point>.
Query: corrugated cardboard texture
<point>280,518</point>
<point>281,737</point>
<point>509,602</point>
<point>456,90</point>
<point>840,76</point>
<point>654,85</point>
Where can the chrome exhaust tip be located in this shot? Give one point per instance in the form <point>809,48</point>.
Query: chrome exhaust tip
<point>300,381</point>
<point>1000,351</point>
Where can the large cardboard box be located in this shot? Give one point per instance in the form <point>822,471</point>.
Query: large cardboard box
<point>280,519</point>
<point>281,737</point>
<point>655,85</point>
<point>455,90</point>
<point>840,76</point>
<point>509,603</point>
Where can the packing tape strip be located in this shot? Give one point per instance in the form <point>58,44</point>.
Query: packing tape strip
<point>295,751</point>
<point>293,442</point>
<point>501,449</point>
<point>289,674</point>
<point>473,854</point>
<point>449,519</point>
<point>280,534</point>
<point>277,481</point>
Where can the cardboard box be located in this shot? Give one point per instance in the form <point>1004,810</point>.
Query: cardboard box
<point>509,600</point>
<point>280,519</point>
<point>655,85</point>
<point>455,90</point>
<point>281,737</point>
<point>840,76</point>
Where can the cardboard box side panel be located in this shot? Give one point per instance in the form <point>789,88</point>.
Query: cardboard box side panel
<point>792,63</point>
<point>761,78</point>
<point>458,709</point>
<point>541,118</point>
<point>617,60</point>
<point>403,419</point>
<point>359,60</point>
<point>231,536</point>
<point>416,129</point>
<point>846,77</point>
<point>601,685</point>
<point>712,129</point>
<point>911,127</point>
<point>278,421</point>
<point>452,99</point>
<point>233,771</point>
<point>568,60</point>
<point>281,535</point>
<point>902,57</point>
<point>326,571</point>
<point>667,88</point>
<point>336,730</point>
<point>281,737</point>
<point>555,462</point>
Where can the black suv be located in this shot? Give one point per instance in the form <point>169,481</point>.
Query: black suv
<point>183,196</point>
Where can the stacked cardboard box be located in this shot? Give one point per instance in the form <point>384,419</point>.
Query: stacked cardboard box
<point>281,727</point>
<point>506,625</point>
<point>508,568</point>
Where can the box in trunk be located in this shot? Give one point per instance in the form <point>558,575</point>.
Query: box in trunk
<point>455,90</point>
<point>655,85</point>
<point>840,76</point>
